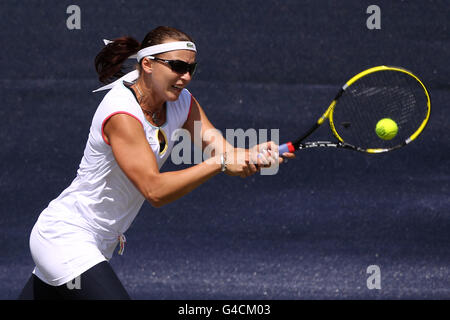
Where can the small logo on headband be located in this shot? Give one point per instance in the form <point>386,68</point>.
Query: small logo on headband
<point>190,45</point>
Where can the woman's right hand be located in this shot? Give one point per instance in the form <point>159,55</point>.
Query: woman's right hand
<point>238,163</point>
<point>244,162</point>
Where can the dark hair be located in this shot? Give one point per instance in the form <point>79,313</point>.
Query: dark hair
<point>110,59</point>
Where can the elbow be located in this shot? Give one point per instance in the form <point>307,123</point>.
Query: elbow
<point>156,204</point>
<point>157,193</point>
<point>154,200</point>
<point>151,191</point>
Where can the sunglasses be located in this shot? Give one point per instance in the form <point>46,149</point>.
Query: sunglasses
<point>178,66</point>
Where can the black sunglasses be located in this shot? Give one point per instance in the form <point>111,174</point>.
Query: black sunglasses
<point>178,66</point>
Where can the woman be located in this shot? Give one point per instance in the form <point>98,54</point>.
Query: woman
<point>75,236</point>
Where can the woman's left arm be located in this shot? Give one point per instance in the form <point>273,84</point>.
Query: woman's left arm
<point>212,139</point>
<point>209,137</point>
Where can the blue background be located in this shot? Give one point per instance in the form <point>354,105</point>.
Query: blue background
<point>309,232</point>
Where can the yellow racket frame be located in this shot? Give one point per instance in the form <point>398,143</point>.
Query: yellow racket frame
<point>329,112</point>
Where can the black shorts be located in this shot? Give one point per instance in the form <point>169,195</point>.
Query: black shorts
<point>98,283</point>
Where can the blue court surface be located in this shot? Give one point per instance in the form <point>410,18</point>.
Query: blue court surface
<point>309,232</point>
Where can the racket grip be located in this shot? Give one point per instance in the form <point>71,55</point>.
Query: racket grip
<point>286,147</point>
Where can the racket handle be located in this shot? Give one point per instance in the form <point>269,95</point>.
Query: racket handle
<point>287,147</point>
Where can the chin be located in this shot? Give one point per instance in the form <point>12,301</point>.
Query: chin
<point>173,96</point>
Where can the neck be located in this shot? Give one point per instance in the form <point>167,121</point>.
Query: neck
<point>146,99</point>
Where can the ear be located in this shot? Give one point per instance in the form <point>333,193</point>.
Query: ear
<point>147,65</point>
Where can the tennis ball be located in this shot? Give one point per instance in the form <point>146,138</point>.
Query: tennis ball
<point>386,129</point>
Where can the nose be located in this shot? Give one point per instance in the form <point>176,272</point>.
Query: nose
<point>186,76</point>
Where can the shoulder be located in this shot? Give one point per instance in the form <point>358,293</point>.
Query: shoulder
<point>119,99</point>
<point>184,99</point>
<point>181,107</point>
<point>118,93</point>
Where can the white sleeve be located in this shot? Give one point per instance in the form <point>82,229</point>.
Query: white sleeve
<point>182,107</point>
<point>117,101</point>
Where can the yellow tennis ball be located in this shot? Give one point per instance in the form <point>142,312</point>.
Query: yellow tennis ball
<point>386,129</point>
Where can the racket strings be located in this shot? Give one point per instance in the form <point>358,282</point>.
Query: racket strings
<point>383,94</point>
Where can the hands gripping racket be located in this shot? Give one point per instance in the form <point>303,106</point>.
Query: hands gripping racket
<point>378,110</point>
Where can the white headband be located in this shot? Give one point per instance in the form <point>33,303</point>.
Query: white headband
<point>149,51</point>
<point>165,47</point>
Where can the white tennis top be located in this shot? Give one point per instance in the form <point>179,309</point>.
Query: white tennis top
<point>83,225</point>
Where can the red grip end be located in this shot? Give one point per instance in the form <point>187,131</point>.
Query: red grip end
<point>290,147</point>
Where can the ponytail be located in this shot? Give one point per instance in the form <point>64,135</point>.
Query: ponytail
<point>110,59</point>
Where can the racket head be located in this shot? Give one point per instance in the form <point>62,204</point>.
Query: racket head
<point>374,94</point>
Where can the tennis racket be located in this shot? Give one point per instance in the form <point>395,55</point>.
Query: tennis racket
<point>370,96</point>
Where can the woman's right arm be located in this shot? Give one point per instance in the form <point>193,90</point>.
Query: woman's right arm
<point>136,159</point>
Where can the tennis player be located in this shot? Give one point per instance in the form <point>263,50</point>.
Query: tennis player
<point>76,235</point>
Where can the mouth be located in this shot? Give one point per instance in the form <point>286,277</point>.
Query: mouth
<point>178,88</point>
